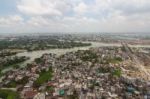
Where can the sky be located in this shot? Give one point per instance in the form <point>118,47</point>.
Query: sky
<point>30,16</point>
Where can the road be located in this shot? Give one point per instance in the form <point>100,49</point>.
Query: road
<point>137,61</point>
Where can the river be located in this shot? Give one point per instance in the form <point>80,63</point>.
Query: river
<point>37,54</point>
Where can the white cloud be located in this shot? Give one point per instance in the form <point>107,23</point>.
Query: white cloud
<point>79,15</point>
<point>13,20</point>
<point>43,7</point>
<point>132,6</point>
<point>37,21</point>
<point>81,8</point>
<point>126,7</point>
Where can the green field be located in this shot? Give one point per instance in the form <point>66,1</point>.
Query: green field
<point>8,94</point>
<point>45,76</point>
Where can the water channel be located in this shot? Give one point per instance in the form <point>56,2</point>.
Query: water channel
<point>36,54</point>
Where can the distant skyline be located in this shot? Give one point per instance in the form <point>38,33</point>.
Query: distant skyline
<point>39,16</point>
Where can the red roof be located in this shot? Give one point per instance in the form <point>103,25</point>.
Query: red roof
<point>50,84</point>
<point>30,94</point>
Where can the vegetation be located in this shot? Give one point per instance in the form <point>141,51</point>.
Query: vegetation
<point>103,70</point>
<point>13,83</point>
<point>16,66</point>
<point>38,60</point>
<point>12,62</point>
<point>114,60</point>
<point>89,56</point>
<point>1,74</point>
<point>31,44</point>
<point>45,76</point>
<point>49,88</point>
<point>7,53</point>
<point>117,72</point>
<point>8,94</point>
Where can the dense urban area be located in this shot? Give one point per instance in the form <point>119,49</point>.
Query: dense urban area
<point>117,68</point>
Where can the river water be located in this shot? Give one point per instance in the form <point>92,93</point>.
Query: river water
<point>37,54</point>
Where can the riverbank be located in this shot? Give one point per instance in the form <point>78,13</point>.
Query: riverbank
<point>36,54</point>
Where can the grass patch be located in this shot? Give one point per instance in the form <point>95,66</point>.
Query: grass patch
<point>117,72</point>
<point>49,88</point>
<point>45,76</point>
<point>8,94</point>
<point>11,84</point>
<point>115,60</point>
